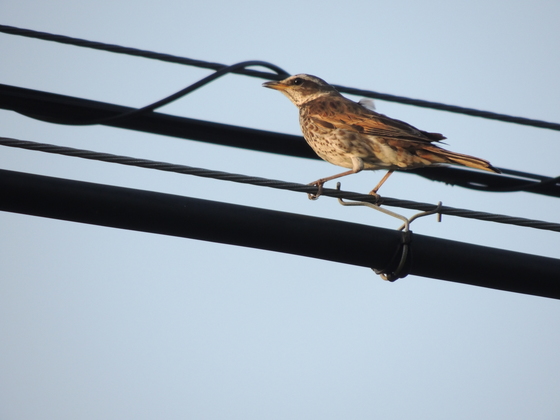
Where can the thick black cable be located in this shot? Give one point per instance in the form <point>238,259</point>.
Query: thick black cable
<point>216,66</point>
<point>314,237</point>
<point>56,108</point>
<point>263,182</point>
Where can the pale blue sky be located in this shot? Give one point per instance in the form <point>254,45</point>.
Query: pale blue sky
<point>100,323</point>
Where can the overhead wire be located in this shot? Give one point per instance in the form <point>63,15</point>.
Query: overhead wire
<point>173,97</point>
<point>277,184</point>
<point>382,250</point>
<point>275,76</point>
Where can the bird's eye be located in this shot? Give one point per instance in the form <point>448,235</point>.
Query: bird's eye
<point>297,81</point>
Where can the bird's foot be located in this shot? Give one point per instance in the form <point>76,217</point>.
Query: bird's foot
<point>319,184</point>
<point>377,196</point>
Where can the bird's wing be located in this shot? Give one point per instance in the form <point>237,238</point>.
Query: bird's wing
<point>345,114</point>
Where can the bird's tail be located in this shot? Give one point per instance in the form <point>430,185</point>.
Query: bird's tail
<point>445,156</point>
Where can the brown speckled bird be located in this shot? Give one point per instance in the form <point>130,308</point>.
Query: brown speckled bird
<point>351,135</point>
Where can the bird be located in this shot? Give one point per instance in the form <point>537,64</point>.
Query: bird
<point>354,136</point>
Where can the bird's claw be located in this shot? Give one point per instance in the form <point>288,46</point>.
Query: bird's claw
<point>377,197</point>
<point>319,186</point>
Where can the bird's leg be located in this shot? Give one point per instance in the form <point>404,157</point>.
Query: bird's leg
<point>357,166</point>
<point>385,178</point>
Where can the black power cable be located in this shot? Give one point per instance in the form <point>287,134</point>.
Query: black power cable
<point>333,240</point>
<point>61,109</point>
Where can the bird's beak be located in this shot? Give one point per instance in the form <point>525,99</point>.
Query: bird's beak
<point>275,85</point>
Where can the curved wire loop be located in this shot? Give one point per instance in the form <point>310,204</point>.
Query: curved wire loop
<point>148,108</point>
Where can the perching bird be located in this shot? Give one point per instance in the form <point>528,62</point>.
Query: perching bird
<point>351,135</point>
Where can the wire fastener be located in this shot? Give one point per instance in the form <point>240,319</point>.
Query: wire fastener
<point>403,253</point>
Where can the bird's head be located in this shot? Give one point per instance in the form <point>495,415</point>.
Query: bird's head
<point>302,88</point>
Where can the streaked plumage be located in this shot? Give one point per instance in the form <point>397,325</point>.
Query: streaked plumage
<point>354,136</point>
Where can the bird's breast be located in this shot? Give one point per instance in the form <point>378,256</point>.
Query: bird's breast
<point>338,146</point>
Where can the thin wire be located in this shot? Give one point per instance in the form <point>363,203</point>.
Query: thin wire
<point>530,185</point>
<point>164,101</point>
<point>523,181</point>
<point>450,108</point>
<point>135,52</point>
<point>263,182</point>
<point>527,186</point>
<point>265,75</point>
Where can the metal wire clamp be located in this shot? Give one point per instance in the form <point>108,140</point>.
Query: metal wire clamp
<point>406,238</point>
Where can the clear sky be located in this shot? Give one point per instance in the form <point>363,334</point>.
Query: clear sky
<point>100,323</point>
